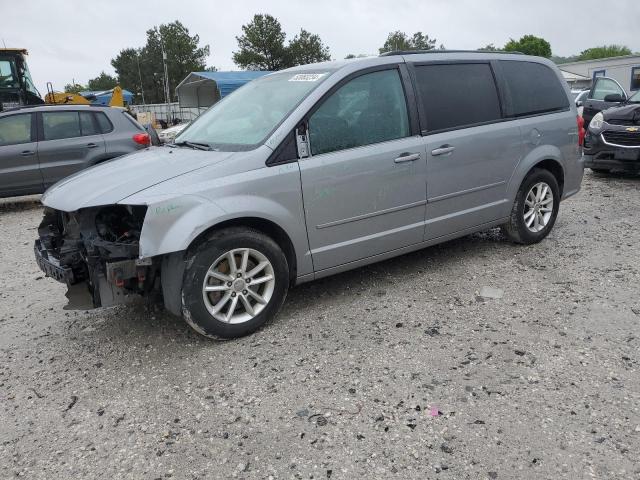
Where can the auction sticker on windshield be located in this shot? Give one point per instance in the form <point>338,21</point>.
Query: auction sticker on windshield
<point>307,77</point>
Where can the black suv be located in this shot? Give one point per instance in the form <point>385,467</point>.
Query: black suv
<point>613,136</point>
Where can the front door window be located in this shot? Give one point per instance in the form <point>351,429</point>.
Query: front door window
<point>369,109</point>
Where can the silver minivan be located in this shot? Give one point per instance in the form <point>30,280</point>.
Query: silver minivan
<point>315,170</point>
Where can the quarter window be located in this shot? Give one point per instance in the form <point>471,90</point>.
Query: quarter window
<point>59,125</point>
<point>635,78</point>
<point>15,129</point>
<point>457,95</point>
<point>534,88</point>
<point>368,109</point>
<point>104,122</point>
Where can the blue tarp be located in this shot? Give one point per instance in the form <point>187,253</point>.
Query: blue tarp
<point>203,89</point>
<point>227,82</point>
<point>104,97</point>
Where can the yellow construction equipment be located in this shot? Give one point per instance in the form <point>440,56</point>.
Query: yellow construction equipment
<point>66,98</point>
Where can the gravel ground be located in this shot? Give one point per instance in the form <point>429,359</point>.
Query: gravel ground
<point>397,370</point>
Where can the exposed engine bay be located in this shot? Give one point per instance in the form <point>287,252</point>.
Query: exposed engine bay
<point>95,251</point>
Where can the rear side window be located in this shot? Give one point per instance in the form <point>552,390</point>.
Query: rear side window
<point>103,122</point>
<point>457,95</point>
<point>59,125</point>
<point>15,129</point>
<point>87,125</point>
<point>534,88</point>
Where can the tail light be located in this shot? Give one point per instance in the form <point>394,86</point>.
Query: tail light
<point>581,130</point>
<point>142,139</point>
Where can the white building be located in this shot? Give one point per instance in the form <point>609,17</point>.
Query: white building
<point>625,70</point>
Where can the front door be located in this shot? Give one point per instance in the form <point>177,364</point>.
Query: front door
<point>19,169</point>
<point>595,102</point>
<point>364,183</point>
<point>71,141</point>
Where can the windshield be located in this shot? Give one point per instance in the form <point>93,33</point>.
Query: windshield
<point>635,98</point>
<point>249,115</point>
<point>7,74</point>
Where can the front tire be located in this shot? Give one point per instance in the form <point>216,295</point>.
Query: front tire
<point>236,280</point>
<point>535,209</point>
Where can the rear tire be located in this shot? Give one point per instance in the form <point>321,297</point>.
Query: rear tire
<point>535,209</point>
<point>236,280</point>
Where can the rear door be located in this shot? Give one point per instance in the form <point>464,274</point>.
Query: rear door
<point>70,140</point>
<point>596,102</point>
<point>19,169</point>
<point>364,183</point>
<point>471,151</point>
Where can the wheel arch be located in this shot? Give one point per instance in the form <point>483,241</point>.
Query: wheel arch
<point>263,225</point>
<point>546,157</point>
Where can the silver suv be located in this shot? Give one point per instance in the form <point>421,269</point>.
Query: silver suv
<point>40,145</point>
<point>316,170</point>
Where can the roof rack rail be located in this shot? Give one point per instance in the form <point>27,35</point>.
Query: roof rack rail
<point>417,52</point>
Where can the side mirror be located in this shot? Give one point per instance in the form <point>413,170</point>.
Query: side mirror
<point>579,103</point>
<point>614,98</point>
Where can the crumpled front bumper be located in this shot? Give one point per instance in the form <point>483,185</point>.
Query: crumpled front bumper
<point>50,265</point>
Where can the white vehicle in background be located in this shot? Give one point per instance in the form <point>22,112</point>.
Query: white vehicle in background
<point>169,134</point>
<point>579,96</point>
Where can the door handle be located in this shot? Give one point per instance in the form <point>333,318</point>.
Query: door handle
<point>92,145</point>
<point>407,157</point>
<point>443,150</point>
<point>27,153</point>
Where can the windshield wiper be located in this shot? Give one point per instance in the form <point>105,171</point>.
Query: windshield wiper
<point>194,145</point>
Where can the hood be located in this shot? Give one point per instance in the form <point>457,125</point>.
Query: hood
<point>630,112</point>
<point>111,181</point>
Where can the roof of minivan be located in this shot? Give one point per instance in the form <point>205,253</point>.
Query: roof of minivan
<point>429,56</point>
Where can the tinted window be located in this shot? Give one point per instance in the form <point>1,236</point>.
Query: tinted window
<point>457,95</point>
<point>368,109</point>
<point>86,124</point>
<point>59,125</point>
<point>534,88</point>
<point>104,122</point>
<point>15,129</point>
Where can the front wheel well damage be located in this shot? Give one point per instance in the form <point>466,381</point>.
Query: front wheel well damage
<point>264,226</point>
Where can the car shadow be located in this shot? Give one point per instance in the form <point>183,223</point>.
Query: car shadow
<point>145,323</point>
<point>17,204</point>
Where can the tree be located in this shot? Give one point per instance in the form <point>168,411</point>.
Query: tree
<point>103,81</point>
<point>74,88</point>
<point>604,52</point>
<point>401,41</point>
<point>262,46</point>
<point>489,48</point>
<point>529,45</point>
<point>307,48</point>
<point>183,56</point>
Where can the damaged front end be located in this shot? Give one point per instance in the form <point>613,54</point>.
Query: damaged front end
<point>96,252</point>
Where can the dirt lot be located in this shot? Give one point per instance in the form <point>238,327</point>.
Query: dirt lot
<point>541,382</point>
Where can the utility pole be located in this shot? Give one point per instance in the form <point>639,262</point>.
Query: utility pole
<point>167,92</point>
<point>140,77</point>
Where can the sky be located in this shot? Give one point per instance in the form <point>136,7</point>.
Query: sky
<point>75,40</point>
